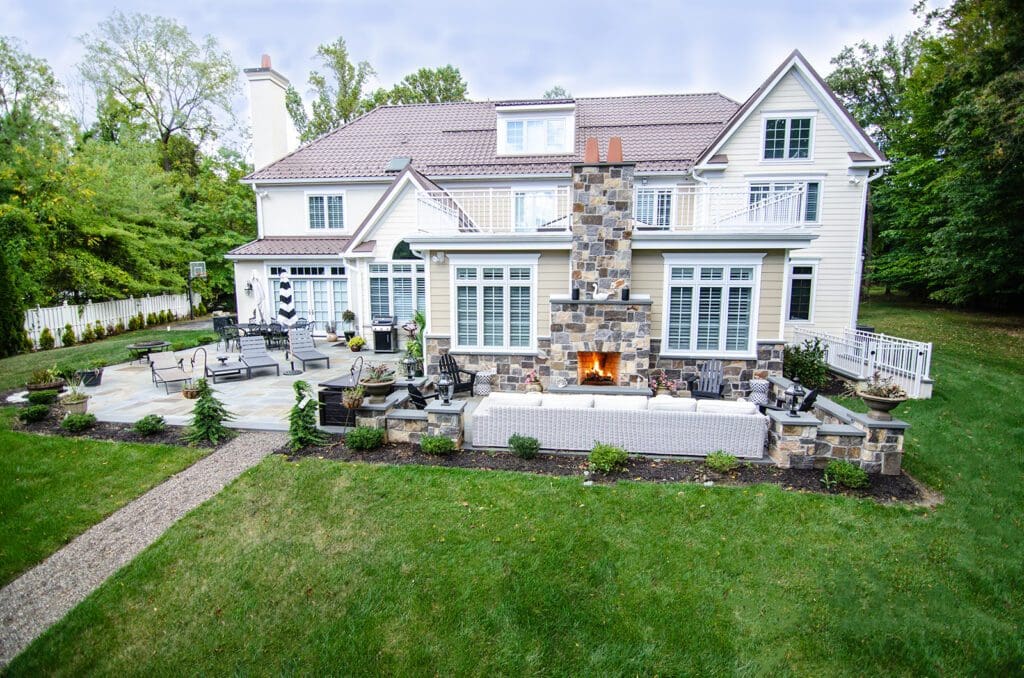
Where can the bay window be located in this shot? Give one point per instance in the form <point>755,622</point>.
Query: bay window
<point>711,304</point>
<point>493,302</point>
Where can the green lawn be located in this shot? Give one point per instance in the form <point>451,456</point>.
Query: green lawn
<point>324,567</point>
<point>54,489</point>
<point>14,372</point>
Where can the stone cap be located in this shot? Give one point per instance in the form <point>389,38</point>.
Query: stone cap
<point>850,417</point>
<point>638,300</point>
<point>840,430</point>
<point>801,418</point>
<point>411,415</point>
<point>438,407</point>
<point>395,399</point>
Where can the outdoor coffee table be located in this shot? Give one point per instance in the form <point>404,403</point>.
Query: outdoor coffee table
<point>228,369</point>
<point>143,348</point>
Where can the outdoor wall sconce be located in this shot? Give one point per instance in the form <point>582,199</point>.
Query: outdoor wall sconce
<point>446,387</point>
<point>248,288</point>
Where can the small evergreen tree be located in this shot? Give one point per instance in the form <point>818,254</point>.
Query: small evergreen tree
<point>45,339</point>
<point>302,430</point>
<point>67,337</point>
<point>208,417</point>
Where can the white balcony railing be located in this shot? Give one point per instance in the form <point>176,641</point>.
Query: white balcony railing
<point>714,207</point>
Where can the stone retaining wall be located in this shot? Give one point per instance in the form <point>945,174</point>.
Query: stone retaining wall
<point>737,373</point>
<point>511,369</point>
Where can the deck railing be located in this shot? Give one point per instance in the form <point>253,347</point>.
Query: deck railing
<point>711,207</point>
<point>860,354</point>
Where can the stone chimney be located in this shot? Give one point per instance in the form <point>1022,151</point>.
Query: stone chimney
<point>273,134</point>
<point>602,223</point>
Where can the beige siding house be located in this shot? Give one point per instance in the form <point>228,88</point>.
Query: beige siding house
<point>591,240</point>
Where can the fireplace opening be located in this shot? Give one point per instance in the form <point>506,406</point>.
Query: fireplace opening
<point>597,369</point>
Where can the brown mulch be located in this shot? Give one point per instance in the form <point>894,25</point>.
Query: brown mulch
<point>103,430</point>
<point>901,488</point>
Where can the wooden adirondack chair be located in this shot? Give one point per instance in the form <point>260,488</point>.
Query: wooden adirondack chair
<point>447,364</point>
<point>710,384</point>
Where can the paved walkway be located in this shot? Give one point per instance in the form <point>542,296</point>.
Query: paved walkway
<point>42,596</point>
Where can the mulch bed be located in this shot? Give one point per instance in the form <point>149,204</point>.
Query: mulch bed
<point>899,488</point>
<point>103,430</point>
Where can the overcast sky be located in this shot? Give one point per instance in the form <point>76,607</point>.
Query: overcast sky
<point>504,50</point>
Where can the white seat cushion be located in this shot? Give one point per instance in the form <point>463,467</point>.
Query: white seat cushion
<point>726,406</point>
<point>513,399</point>
<point>572,401</point>
<point>669,404</point>
<point>613,402</point>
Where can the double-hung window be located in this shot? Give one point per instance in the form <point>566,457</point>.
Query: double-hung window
<point>801,292</point>
<point>535,135</point>
<point>654,207</point>
<point>397,289</point>
<point>711,304</point>
<point>326,212</point>
<point>787,138</point>
<point>784,202</point>
<point>493,302</point>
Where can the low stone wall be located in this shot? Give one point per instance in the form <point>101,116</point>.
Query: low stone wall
<point>406,426</point>
<point>511,370</point>
<point>737,373</point>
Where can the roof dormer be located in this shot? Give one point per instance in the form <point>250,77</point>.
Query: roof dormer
<point>536,128</point>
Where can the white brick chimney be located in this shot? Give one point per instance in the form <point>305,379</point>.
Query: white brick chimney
<point>273,134</point>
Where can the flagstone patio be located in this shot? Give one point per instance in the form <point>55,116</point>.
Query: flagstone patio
<point>127,392</point>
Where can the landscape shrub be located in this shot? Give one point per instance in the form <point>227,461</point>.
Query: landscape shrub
<point>150,425</point>
<point>302,430</point>
<point>67,337</point>
<point>46,340</point>
<point>88,335</point>
<point>34,413</point>
<point>111,330</point>
<point>364,438</point>
<point>151,319</point>
<point>439,445</point>
<point>842,472</point>
<point>119,327</point>
<point>47,397</point>
<point>99,331</point>
<point>607,458</point>
<point>76,423</point>
<point>206,339</point>
<point>135,322</point>
<point>806,362</point>
<point>27,346</point>
<point>208,417</point>
<point>201,309</point>
<point>721,462</point>
<point>523,447</point>
<point>181,345</point>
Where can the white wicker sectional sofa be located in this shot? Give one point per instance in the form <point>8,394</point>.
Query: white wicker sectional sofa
<point>661,425</point>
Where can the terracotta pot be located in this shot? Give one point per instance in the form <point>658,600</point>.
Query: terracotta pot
<point>76,407</point>
<point>190,393</point>
<point>332,337</point>
<point>356,349</point>
<point>878,407</point>
<point>377,390</point>
<point>57,386</point>
<point>663,391</point>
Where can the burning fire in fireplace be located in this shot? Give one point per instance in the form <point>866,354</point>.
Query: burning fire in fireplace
<point>598,369</point>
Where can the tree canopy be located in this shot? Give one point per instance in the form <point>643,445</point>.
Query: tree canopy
<point>557,92</point>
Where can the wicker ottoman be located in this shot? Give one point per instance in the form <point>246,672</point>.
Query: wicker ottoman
<point>483,381</point>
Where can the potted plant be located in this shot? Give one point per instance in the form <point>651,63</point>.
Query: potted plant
<point>77,400</point>
<point>190,390</point>
<point>662,385</point>
<point>881,395</point>
<point>332,335</point>
<point>532,382</point>
<point>352,398</point>
<point>414,351</point>
<point>377,381</point>
<point>46,379</point>
<point>91,376</point>
<point>350,322</point>
<point>356,343</point>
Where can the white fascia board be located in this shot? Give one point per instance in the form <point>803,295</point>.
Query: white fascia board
<point>318,181</point>
<point>373,219</point>
<point>280,257</point>
<point>739,241</point>
<point>530,108</point>
<point>478,259</point>
<point>470,242</point>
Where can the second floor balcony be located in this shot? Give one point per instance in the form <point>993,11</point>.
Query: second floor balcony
<point>726,208</point>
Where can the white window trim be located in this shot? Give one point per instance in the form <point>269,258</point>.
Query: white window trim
<point>804,179</point>
<point>530,261</point>
<point>344,212</point>
<point>569,117</point>
<point>553,189</point>
<point>326,276</point>
<point>790,263</point>
<point>671,188</point>
<point>788,115</point>
<point>753,260</point>
<point>391,275</point>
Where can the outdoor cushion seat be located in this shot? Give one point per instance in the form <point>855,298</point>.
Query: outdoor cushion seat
<point>664,403</point>
<point>727,406</point>
<point>301,348</point>
<point>620,402</point>
<point>517,399</point>
<point>570,400</point>
<point>254,354</point>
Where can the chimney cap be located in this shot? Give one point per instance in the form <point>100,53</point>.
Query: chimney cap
<point>265,61</point>
<point>591,153</point>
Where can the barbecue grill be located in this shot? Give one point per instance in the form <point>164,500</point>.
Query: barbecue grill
<point>385,334</point>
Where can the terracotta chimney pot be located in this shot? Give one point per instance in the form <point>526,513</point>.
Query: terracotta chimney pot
<point>265,61</point>
<point>615,149</point>
<point>591,152</point>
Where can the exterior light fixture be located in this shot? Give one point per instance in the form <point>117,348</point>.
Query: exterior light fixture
<point>794,396</point>
<point>248,288</point>
<point>446,387</point>
<point>409,363</point>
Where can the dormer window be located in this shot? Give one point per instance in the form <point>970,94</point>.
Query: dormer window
<point>787,138</point>
<point>535,130</point>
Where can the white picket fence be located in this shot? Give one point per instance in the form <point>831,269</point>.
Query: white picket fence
<point>106,312</point>
<point>859,354</point>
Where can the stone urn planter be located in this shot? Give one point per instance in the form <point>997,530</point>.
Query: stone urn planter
<point>331,337</point>
<point>879,407</point>
<point>534,388</point>
<point>664,392</point>
<point>56,385</point>
<point>377,391</point>
<point>190,391</point>
<point>76,405</point>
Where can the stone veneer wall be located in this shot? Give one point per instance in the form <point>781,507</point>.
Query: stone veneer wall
<point>511,369</point>
<point>737,373</point>
<point>602,227</point>
<point>619,327</point>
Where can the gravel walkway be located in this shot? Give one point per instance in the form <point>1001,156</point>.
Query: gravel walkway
<point>42,596</point>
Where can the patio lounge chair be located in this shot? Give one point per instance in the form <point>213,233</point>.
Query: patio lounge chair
<point>710,384</point>
<point>448,364</point>
<point>167,369</point>
<point>254,354</point>
<point>301,348</point>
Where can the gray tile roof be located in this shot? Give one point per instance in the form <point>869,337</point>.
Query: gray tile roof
<point>295,245</point>
<point>661,133</point>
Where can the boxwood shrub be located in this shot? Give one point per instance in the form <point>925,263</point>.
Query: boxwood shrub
<point>33,413</point>
<point>523,447</point>
<point>364,438</point>
<point>47,397</point>
<point>842,472</point>
<point>439,445</point>
<point>608,458</point>
<point>76,423</point>
<point>150,425</point>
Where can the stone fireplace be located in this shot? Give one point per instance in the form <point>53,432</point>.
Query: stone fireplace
<point>596,368</point>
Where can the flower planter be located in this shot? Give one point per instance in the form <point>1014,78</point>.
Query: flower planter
<point>356,349</point>
<point>331,337</point>
<point>349,335</point>
<point>377,390</point>
<point>190,392</point>
<point>76,406</point>
<point>879,407</point>
<point>90,377</point>
<point>57,386</point>
<point>664,392</point>
<point>534,388</point>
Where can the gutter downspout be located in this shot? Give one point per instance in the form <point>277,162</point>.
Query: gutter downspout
<point>858,271</point>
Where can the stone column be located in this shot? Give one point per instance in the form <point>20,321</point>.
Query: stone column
<point>602,227</point>
<point>446,420</point>
<point>792,439</point>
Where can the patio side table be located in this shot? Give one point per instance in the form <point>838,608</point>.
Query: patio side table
<point>483,382</point>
